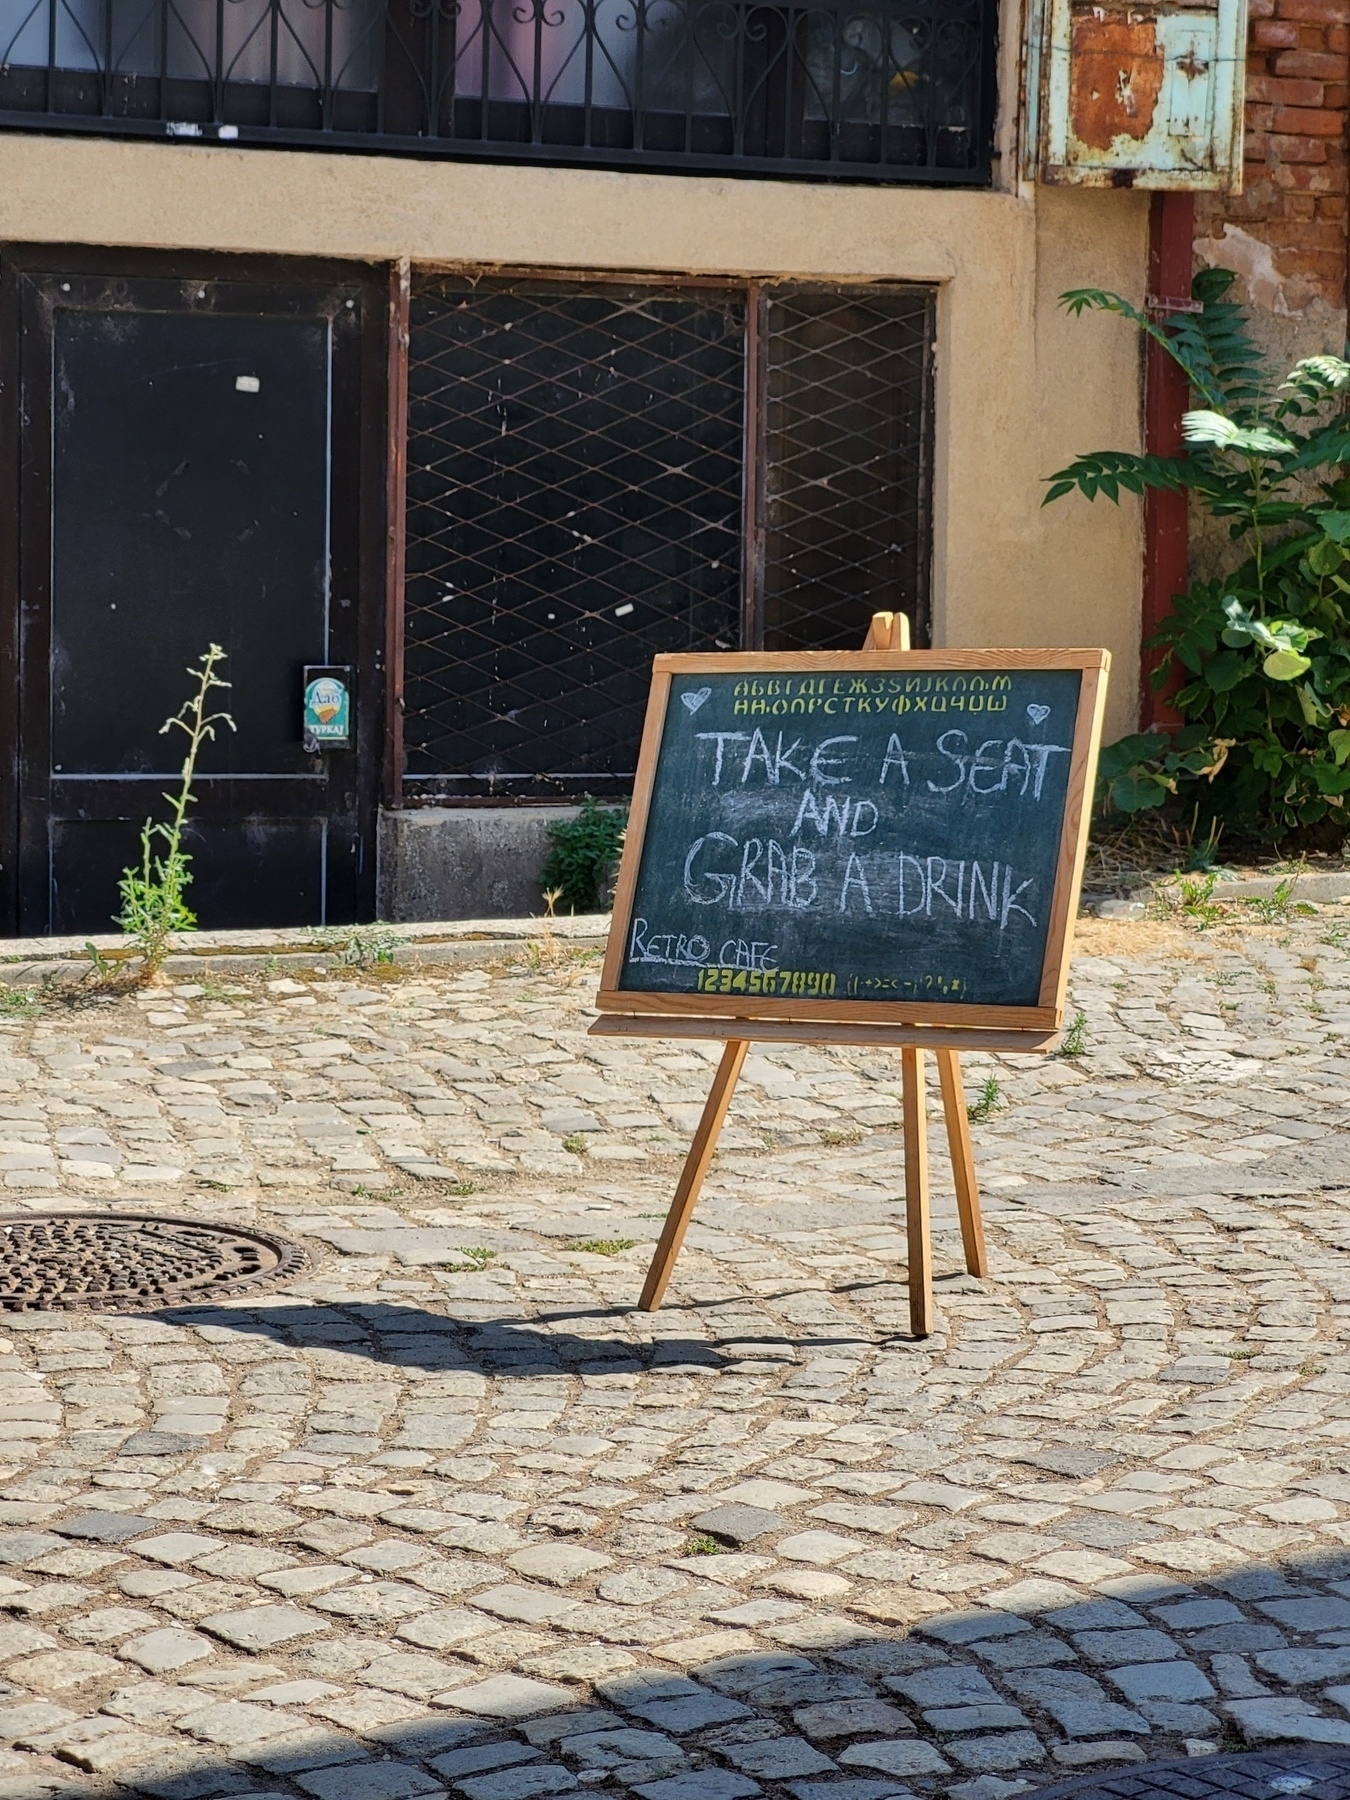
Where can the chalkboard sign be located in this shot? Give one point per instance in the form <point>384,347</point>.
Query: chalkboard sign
<point>860,836</point>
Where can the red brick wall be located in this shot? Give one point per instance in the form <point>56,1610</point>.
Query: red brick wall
<point>1295,185</point>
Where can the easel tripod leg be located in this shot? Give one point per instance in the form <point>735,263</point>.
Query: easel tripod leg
<point>963,1161</point>
<point>691,1176</point>
<point>916,1193</point>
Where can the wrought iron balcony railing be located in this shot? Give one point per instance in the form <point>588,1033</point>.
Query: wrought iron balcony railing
<point>880,90</point>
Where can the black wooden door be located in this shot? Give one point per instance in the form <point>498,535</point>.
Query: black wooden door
<point>190,472</point>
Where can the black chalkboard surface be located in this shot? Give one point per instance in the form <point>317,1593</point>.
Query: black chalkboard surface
<point>846,835</point>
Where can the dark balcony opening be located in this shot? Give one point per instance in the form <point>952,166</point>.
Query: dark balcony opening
<point>882,90</point>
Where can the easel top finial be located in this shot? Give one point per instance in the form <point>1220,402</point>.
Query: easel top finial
<point>888,631</point>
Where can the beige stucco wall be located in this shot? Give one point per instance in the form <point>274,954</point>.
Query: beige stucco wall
<point>1020,388</point>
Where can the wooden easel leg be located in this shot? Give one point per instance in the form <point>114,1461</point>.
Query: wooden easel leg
<point>916,1194</point>
<point>963,1161</point>
<point>691,1176</point>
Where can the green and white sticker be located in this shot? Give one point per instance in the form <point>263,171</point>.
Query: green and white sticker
<point>328,711</point>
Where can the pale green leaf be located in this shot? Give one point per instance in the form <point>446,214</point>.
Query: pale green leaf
<point>1286,665</point>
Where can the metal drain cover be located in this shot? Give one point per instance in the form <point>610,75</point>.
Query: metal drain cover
<point>1303,1774</point>
<point>128,1262</point>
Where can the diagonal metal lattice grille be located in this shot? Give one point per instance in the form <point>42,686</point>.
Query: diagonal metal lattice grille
<point>576,472</point>
<point>574,507</point>
<point>846,463</point>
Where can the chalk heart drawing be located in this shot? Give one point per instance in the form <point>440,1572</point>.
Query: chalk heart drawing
<point>1036,713</point>
<point>693,701</point>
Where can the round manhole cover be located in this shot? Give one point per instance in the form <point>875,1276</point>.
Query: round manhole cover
<point>1303,1774</point>
<point>126,1262</point>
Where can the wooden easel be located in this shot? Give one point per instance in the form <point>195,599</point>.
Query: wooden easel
<point>888,631</point>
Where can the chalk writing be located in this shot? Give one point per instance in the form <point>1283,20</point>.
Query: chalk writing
<point>819,983</point>
<point>992,765</point>
<point>843,835</point>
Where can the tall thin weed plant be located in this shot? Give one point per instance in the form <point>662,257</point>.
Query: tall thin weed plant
<point>154,896</point>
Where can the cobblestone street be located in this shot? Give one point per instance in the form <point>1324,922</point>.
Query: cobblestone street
<point>447,1515</point>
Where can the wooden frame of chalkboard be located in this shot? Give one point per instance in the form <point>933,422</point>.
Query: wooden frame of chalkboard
<point>1029,1023</point>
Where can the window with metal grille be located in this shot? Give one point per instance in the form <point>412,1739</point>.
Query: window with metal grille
<point>845,463</point>
<point>591,481</point>
<point>574,507</point>
<point>859,90</point>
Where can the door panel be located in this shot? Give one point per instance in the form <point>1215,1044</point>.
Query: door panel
<point>194,469</point>
<point>187,509</point>
<point>282,858</point>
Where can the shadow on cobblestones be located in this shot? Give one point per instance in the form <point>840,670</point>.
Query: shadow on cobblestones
<point>415,1339</point>
<point>488,1344</point>
<point>1313,1775</point>
<point>961,1703</point>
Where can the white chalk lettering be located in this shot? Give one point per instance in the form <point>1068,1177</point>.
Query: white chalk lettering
<point>802,885</point>
<point>808,810</point>
<point>819,762</point>
<point>774,761</point>
<point>836,813</point>
<point>854,877</point>
<point>669,947</point>
<point>937,871</point>
<point>769,875</point>
<point>721,738</point>
<point>895,758</point>
<point>1010,894</point>
<point>758,752</point>
<point>738,953</point>
<point>752,851</point>
<point>908,862</point>
<point>1040,755</point>
<point>975,893</point>
<point>722,885</point>
<point>981,765</point>
<point>778,869</point>
<point>1020,768</point>
<point>953,756</point>
<point>989,894</point>
<point>782,759</point>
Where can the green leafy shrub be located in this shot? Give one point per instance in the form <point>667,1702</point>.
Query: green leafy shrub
<point>1264,651</point>
<point>584,856</point>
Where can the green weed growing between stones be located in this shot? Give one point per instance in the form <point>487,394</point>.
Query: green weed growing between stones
<point>1075,1037</point>
<point>601,1246</point>
<point>154,896</point>
<point>991,1101</point>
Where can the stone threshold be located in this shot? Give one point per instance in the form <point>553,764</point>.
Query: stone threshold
<point>325,950</point>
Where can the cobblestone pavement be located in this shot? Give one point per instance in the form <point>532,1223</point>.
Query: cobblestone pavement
<point>447,1516</point>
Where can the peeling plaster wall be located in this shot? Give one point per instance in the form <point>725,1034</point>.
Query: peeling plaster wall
<point>1290,318</point>
<point>1284,236</point>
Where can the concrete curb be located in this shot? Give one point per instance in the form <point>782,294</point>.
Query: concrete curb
<point>327,951</point>
<point>1320,889</point>
<point>1334,885</point>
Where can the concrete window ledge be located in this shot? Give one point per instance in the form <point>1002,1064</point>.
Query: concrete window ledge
<point>472,862</point>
